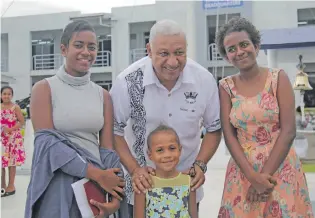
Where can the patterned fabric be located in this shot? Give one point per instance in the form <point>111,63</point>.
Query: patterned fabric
<point>256,120</point>
<point>138,114</point>
<point>169,198</point>
<point>13,153</point>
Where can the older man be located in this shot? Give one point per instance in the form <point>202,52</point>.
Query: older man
<point>165,87</point>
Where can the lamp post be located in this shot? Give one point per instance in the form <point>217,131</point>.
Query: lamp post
<point>302,84</point>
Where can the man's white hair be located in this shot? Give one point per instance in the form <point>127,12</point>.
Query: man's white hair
<point>165,28</point>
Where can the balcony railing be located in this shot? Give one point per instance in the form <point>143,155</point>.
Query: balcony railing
<point>54,61</point>
<point>137,54</point>
<point>103,59</point>
<point>47,61</point>
<point>213,53</point>
<point>4,64</point>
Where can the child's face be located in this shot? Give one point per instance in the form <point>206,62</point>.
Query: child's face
<point>164,151</point>
<point>6,95</point>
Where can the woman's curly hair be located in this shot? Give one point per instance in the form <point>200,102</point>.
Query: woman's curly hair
<point>236,24</point>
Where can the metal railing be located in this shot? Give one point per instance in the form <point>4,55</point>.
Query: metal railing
<point>47,61</point>
<point>103,59</point>
<point>213,53</point>
<point>137,54</point>
<point>4,64</point>
<point>54,61</point>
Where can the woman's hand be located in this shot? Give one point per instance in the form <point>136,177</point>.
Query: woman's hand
<point>7,129</point>
<point>108,180</point>
<point>262,182</point>
<point>106,209</point>
<point>253,196</point>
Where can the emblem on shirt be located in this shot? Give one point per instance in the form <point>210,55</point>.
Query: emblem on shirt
<point>191,97</point>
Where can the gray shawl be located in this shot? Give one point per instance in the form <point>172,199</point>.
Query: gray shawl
<point>49,193</point>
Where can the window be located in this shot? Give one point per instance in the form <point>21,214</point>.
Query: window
<point>103,58</point>
<point>43,54</point>
<point>146,41</point>
<point>212,23</point>
<point>146,38</point>
<point>133,41</point>
<point>306,17</point>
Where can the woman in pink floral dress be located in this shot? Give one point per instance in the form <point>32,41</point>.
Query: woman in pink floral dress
<point>13,153</point>
<point>264,177</point>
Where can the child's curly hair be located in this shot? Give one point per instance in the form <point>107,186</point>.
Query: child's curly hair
<point>237,24</point>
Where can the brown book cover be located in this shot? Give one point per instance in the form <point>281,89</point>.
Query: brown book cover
<point>95,192</point>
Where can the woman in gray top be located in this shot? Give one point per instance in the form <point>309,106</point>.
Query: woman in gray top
<point>72,104</point>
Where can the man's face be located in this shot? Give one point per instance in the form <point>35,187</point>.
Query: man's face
<point>168,54</point>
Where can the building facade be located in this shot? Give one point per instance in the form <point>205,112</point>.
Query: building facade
<point>31,52</point>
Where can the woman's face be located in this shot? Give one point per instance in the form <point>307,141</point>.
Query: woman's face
<point>240,51</point>
<point>80,53</point>
<point>6,95</point>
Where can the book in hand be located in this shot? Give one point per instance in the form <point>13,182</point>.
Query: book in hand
<point>85,190</point>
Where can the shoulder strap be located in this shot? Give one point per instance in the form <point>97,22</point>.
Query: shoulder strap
<point>274,80</point>
<point>228,85</point>
<point>268,81</point>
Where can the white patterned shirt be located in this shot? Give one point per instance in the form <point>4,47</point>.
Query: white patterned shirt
<point>141,103</point>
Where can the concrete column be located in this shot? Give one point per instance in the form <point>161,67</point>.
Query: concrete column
<point>201,34</point>
<point>272,58</point>
<point>120,47</point>
<point>191,30</point>
<point>20,61</point>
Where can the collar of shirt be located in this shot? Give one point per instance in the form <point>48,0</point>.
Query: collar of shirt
<point>151,78</point>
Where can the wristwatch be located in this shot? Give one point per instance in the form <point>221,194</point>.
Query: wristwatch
<point>201,164</point>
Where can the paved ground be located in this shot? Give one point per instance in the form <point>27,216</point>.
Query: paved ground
<point>13,206</point>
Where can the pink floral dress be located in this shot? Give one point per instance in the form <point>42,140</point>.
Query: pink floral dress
<point>256,120</point>
<point>13,153</point>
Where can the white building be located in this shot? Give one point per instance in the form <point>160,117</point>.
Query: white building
<point>30,44</point>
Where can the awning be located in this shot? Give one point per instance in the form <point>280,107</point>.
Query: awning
<point>7,78</point>
<point>288,38</point>
<point>96,19</point>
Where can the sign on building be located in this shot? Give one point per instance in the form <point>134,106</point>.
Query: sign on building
<point>207,4</point>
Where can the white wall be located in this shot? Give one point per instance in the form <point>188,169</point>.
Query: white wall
<point>101,30</point>
<point>49,34</point>
<point>122,17</point>
<point>4,52</point>
<point>4,45</point>
<point>139,29</point>
<point>19,44</point>
<point>278,14</point>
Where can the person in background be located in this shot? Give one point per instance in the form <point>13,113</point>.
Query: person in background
<point>264,177</point>
<point>73,123</point>
<point>12,149</point>
<point>167,87</point>
<point>171,189</point>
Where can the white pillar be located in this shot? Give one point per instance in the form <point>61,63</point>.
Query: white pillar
<point>272,58</point>
<point>120,47</point>
<point>20,59</point>
<point>191,30</point>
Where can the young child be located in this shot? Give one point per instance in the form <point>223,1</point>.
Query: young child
<point>13,153</point>
<point>170,196</point>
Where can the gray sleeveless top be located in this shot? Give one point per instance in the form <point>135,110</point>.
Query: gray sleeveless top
<point>77,105</point>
